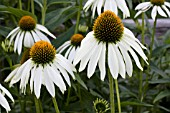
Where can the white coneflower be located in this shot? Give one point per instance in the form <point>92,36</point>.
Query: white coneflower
<point>72,46</point>
<point>159,6</point>
<point>109,36</point>
<point>44,67</point>
<point>112,5</point>
<point>27,33</point>
<point>3,101</point>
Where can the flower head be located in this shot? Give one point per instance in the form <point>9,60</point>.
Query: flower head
<point>3,101</point>
<point>43,67</point>
<point>101,105</point>
<point>27,33</point>
<point>109,35</point>
<point>112,5</point>
<point>73,45</point>
<point>159,6</point>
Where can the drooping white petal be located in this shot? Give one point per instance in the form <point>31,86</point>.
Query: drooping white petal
<point>38,80</point>
<point>127,59</point>
<point>6,92</point>
<point>16,41</point>
<point>123,7</point>
<point>154,12</point>
<point>167,4</point>
<point>99,6</point>
<point>161,12</point>
<point>35,36</point>
<point>68,51</point>
<point>72,54</point>
<point>121,62</point>
<point>64,73</point>
<point>49,85</point>
<point>113,61</point>
<point>111,5</point>
<point>142,5</point>
<point>45,30</point>
<point>13,32</point>
<point>94,59</point>
<point>41,35</point>
<point>12,37</point>
<point>11,75</point>
<point>166,9</point>
<point>28,40</point>
<point>20,43</point>
<point>137,14</point>
<point>4,103</point>
<point>64,46</point>
<point>102,61</point>
<point>88,4</point>
<point>94,6</point>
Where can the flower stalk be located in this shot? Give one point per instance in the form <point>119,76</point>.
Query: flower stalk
<point>43,11</point>
<point>20,4</point>
<point>55,105</point>
<point>78,17</point>
<point>32,6</point>
<point>118,96</point>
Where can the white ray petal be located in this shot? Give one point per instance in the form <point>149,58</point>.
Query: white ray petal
<point>45,30</point>
<point>167,4</point>
<point>123,7</point>
<point>94,59</point>
<point>16,41</point>
<point>14,31</point>
<point>11,75</point>
<point>6,92</point>
<point>35,36</point>
<point>111,5</point>
<point>166,9</point>
<point>64,46</point>
<point>68,52</point>
<point>135,57</point>
<point>32,78</point>
<point>49,84</point>
<point>127,59</point>
<point>121,62</point>
<point>41,35</point>
<point>102,61</point>
<point>154,12</point>
<point>99,6</point>
<point>20,42</point>
<point>137,14</point>
<point>142,5</point>
<point>113,61</point>
<point>64,73</point>
<point>72,54</point>
<point>12,37</point>
<point>4,103</point>
<point>161,12</point>
<point>87,5</point>
<point>38,81</point>
<point>28,40</point>
<point>94,8</point>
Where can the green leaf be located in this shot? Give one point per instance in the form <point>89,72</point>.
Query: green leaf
<point>160,81</point>
<point>52,2</point>
<point>59,16</point>
<point>4,31</point>
<point>17,12</point>
<point>158,50</point>
<point>161,95</point>
<point>80,81</point>
<point>136,104</point>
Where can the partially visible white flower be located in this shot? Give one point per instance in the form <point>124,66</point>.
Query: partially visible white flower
<point>159,6</point>
<point>3,101</point>
<point>112,5</point>
<point>45,67</point>
<point>71,46</point>
<point>112,41</point>
<point>28,33</point>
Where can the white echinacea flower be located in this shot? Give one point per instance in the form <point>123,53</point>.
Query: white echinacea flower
<point>44,67</point>
<point>159,6</point>
<point>27,33</point>
<point>3,101</point>
<point>112,5</point>
<point>71,46</point>
<point>109,43</point>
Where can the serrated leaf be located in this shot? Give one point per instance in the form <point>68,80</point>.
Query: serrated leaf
<point>161,95</point>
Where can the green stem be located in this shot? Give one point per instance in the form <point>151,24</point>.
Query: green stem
<point>32,6</point>
<point>40,104</point>
<point>37,106</point>
<point>78,17</point>
<point>20,4</point>
<point>118,97</point>
<point>68,96</point>
<point>112,105</point>
<point>55,105</point>
<point>44,11</point>
<point>152,40</point>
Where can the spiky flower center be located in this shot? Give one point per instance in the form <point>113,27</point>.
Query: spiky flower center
<point>42,52</point>
<point>108,27</point>
<point>27,23</point>
<point>76,39</point>
<point>157,2</point>
<point>101,106</point>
